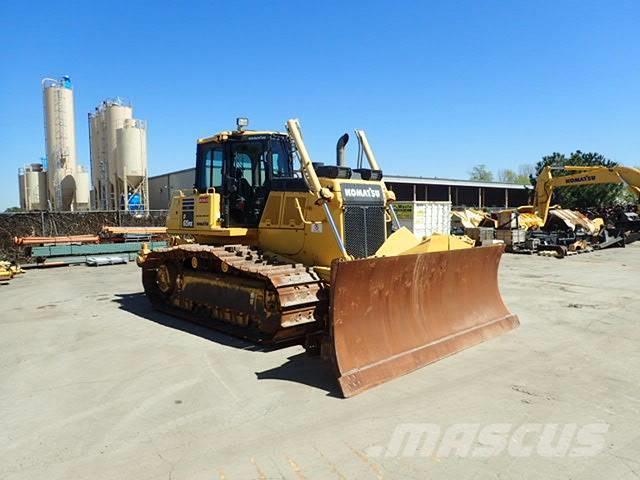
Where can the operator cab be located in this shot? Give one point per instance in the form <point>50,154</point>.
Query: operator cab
<point>241,166</point>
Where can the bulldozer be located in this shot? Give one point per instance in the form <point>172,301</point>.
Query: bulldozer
<point>276,249</point>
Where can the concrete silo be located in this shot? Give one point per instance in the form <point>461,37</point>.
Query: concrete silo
<point>132,164</point>
<point>83,188</point>
<point>60,141</point>
<point>32,181</point>
<point>118,157</point>
<point>98,172</point>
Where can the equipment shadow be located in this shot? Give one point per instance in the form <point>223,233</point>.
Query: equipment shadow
<point>306,369</point>
<point>299,368</point>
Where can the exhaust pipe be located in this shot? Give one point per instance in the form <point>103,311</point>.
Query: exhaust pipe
<point>341,161</point>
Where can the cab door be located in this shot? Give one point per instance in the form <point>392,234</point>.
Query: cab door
<point>246,187</point>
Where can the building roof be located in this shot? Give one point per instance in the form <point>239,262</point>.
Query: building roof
<point>184,170</point>
<point>416,180</point>
<point>453,182</point>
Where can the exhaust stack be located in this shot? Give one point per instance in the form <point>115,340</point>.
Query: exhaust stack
<point>341,161</point>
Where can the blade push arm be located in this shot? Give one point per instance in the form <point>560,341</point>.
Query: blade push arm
<point>322,194</point>
<point>373,163</point>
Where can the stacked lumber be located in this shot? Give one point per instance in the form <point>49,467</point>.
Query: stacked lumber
<point>60,240</point>
<point>134,230</point>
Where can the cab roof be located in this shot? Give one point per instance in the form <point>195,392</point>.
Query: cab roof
<point>237,134</point>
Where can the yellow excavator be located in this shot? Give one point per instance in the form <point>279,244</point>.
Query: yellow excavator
<point>546,182</point>
<point>314,255</point>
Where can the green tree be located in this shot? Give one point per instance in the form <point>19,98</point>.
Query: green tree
<point>583,196</point>
<point>520,177</point>
<point>525,172</point>
<point>481,173</point>
<point>13,209</point>
<point>507,176</point>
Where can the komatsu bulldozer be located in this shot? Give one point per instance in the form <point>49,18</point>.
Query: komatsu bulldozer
<point>274,248</point>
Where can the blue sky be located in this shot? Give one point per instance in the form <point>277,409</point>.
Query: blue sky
<point>439,86</point>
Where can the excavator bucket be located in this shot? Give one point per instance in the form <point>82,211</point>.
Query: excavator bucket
<point>392,315</point>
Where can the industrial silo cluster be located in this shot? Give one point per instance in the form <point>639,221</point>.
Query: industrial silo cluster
<point>118,144</point>
<point>118,157</point>
<point>67,182</point>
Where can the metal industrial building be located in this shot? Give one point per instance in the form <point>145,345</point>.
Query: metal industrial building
<point>461,193</point>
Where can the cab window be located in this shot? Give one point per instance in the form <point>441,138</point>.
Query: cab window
<point>280,160</point>
<point>248,162</point>
<point>210,174</point>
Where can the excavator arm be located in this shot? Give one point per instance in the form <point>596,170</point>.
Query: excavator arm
<point>583,175</point>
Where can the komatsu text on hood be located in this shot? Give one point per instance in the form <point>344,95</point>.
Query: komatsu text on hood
<point>362,194</point>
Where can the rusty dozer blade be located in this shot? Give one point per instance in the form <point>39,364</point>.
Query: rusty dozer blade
<point>393,315</point>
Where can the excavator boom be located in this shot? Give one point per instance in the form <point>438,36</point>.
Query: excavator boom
<point>580,176</point>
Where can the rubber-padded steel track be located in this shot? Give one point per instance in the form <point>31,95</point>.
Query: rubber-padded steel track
<point>237,289</point>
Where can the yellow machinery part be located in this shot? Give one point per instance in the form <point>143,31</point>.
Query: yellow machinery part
<point>6,275</point>
<point>404,242</point>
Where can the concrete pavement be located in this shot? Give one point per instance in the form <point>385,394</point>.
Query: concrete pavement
<point>96,385</point>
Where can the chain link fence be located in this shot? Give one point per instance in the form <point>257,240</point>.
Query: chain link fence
<point>51,224</point>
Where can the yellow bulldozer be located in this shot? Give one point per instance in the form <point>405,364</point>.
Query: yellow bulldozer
<point>277,249</point>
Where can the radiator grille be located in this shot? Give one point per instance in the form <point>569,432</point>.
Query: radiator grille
<point>364,229</point>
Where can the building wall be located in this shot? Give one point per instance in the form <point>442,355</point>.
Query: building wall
<point>163,187</point>
<point>461,195</point>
